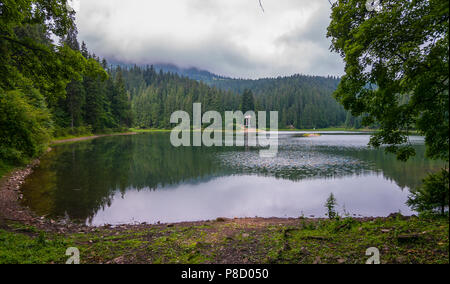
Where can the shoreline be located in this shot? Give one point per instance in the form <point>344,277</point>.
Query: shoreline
<point>84,138</point>
<point>39,239</point>
<point>10,195</point>
<point>11,208</point>
<point>400,240</point>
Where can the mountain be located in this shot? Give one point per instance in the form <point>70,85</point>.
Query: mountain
<point>191,73</point>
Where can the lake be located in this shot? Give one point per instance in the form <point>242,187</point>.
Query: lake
<point>143,178</point>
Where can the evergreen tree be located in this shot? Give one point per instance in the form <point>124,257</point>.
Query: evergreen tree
<point>248,101</point>
<point>120,105</point>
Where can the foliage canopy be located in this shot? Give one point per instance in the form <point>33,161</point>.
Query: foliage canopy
<point>36,65</point>
<point>396,69</point>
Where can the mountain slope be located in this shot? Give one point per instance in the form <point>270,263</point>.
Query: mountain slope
<point>302,101</point>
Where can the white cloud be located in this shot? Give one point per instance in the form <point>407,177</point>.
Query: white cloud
<point>228,37</point>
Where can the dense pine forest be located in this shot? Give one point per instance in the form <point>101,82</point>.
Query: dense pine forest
<point>302,101</point>
<point>156,95</point>
<point>96,103</point>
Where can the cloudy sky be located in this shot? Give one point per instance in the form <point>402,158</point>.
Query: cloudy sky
<point>234,38</point>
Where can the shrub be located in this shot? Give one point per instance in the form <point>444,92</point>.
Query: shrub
<point>25,126</point>
<point>433,196</point>
<point>76,131</point>
<point>331,207</point>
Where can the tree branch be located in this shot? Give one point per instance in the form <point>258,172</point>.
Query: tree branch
<point>16,41</point>
<point>262,8</point>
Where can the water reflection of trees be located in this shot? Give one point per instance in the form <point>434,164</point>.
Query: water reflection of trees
<point>78,180</point>
<point>329,162</point>
<point>405,174</point>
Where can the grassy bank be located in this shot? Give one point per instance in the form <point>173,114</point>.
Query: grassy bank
<point>72,137</point>
<point>138,130</point>
<point>399,240</point>
<point>90,134</point>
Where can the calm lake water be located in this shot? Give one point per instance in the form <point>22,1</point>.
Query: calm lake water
<point>143,178</point>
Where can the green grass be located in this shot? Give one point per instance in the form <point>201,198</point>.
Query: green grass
<point>72,137</point>
<point>138,130</point>
<point>298,241</point>
<point>347,241</point>
<point>20,248</point>
<point>67,137</point>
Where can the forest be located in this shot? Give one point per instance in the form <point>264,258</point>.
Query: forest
<point>303,102</point>
<point>53,86</point>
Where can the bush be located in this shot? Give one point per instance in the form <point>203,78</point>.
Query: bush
<point>60,132</point>
<point>433,196</point>
<point>25,126</point>
<point>344,224</point>
<point>76,131</point>
<point>82,130</point>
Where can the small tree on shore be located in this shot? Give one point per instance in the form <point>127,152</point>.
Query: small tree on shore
<point>433,195</point>
<point>331,207</point>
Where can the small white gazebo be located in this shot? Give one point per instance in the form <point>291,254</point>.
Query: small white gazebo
<point>247,121</point>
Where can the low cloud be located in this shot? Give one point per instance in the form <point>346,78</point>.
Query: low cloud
<point>229,37</point>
